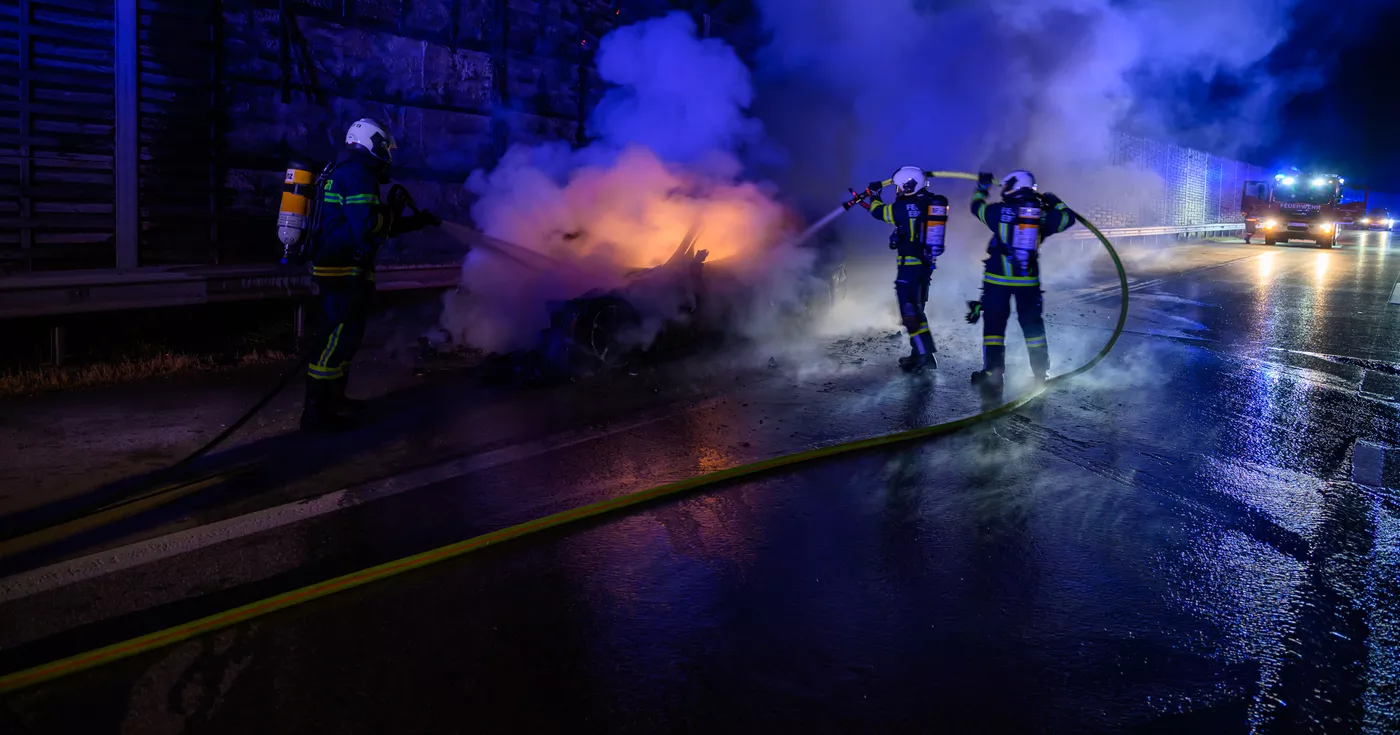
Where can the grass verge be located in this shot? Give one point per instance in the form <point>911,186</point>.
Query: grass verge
<point>53,378</point>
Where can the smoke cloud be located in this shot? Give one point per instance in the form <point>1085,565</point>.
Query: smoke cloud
<point>1039,84</point>
<point>852,91</point>
<point>843,93</point>
<point>666,160</point>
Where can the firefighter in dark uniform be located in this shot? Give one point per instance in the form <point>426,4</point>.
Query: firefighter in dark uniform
<point>352,223</point>
<point>920,219</point>
<point>1019,223</point>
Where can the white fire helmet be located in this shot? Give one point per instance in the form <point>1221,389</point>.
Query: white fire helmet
<point>374,137</point>
<point>1016,182</point>
<point>909,180</point>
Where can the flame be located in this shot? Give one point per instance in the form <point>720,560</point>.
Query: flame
<point>635,212</point>
<point>611,217</point>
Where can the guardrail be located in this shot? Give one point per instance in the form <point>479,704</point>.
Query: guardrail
<point>1080,233</point>
<point>81,292</point>
<point>63,293</point>
<point>85,292</point>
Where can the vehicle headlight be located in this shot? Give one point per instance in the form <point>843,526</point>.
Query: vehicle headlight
<point>1325,227</point>
<point>1319,182</point>
<point>1365,220</point>
<point>1269,224</point>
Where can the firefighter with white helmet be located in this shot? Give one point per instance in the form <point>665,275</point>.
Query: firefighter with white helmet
<point>920,220</point>
<point>352,222</point>
<point>1019,222</point>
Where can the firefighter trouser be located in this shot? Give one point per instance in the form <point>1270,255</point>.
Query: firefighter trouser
<point>911,289</point>
<point>343,306</point>
<point>996,312</point>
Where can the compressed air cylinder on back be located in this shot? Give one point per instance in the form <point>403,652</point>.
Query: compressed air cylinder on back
<point>1026,237</point>
<point>298,189</point>
<point>936,232</point>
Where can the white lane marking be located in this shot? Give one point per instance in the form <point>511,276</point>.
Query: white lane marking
<point>1367,464</point>
<point>64,573</point>
<point>1395,295</point>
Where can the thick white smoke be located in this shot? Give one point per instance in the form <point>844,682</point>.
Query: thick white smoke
<point>846,93</point>
<point>853,91</point>
<point>665,161</point>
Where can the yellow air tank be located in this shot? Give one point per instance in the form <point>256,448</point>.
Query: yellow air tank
<point>298,189</point>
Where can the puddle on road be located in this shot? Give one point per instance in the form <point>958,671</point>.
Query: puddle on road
<point>1368,464</point>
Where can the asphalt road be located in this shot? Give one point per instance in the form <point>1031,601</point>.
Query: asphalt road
<point>1198,536</point>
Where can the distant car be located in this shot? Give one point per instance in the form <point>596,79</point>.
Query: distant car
<point>1377,219</point>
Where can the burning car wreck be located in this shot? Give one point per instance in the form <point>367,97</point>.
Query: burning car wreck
<point>679,308</point>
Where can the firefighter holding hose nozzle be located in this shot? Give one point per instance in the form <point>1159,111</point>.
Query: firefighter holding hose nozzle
<point>1019,223</point>
<point>350,225</point>
<point>920,219</point>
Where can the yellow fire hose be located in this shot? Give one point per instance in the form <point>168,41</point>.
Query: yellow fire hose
<point>184,631</point>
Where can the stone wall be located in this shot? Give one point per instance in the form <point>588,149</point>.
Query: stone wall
<point>457,80</point>
<point>231,90</point>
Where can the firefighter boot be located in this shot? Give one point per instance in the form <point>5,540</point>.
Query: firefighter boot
<point>348,405</point>
<point>989,382</point>
<point>914,362</point>
<point>917,360</point>
<point>320,413</point>
<point>342,407</point>
<point>921,347</point>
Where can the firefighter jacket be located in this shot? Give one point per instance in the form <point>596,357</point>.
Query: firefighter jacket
<point>1018,227</point>
<point>353,222</point>
<point>912,216</point>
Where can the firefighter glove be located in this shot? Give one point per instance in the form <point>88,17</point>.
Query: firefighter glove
<point>1051,199</point>
<point>874,187</point>
<point>399,200</point>
<point>984,180</point>
<point>413,223</point>
<point>974,311</point>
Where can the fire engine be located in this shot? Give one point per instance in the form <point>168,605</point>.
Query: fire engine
<point>1299,206</point>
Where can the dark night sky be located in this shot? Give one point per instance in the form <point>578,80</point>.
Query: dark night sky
<point>1349,124</point>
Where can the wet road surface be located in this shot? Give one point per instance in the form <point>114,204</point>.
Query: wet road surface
<point>1198,536</point>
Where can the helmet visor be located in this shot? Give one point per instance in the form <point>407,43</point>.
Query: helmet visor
<point>382,145</point>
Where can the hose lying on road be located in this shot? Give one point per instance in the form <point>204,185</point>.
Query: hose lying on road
<point>217,621</point>
<point>161,488</point>
<point>282,382</point>
<point>42,528</point>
